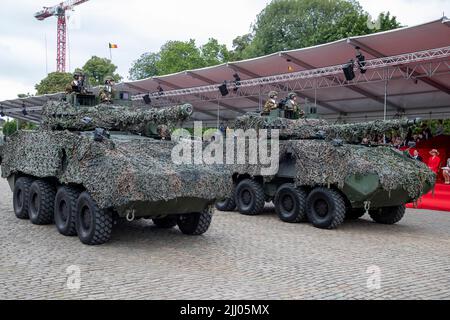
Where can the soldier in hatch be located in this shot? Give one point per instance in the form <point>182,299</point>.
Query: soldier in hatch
<point>292,108</point>
<point>271,104</point>
<point>106,93</point>
<point>75,84</point>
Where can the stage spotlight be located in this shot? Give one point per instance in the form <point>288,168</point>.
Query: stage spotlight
<point>237,82</point>
<point>349,71</point>
<point>361,60</point>
<point>24,110</point>
<point>224,89</point>
<point>147,99</point>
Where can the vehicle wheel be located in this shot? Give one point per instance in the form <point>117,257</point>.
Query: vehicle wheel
<point>250,197</point>
<point>227,205</point>
<point>166,223</point>
<point>66,211</point>
<point>290,204</point>
<point>41,203</point>
<point>355,214</point>
<point>194,224</point>
<point>391,215</point>
<point>325,208</point>
<point>21,197</point>
<point>94,226</point>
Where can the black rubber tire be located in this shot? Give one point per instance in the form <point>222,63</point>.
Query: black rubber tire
<point>290,204</point>
<point>227,205</point>
<point>388,216</point>
<point>41,203</point>
<point>94,225</point>
<point>166,223</point>
<point>325,208</point>
<point>250,197</point>
<point>66,211</point>
<point>355,214</point>
<point>194,224</point>
<point>21,197</point>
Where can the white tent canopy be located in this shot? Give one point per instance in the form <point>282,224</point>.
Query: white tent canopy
<point>413,88</point>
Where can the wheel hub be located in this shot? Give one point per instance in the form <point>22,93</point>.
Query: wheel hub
<point>321,207</point>
<point>246,197</point>
<point>287,202</point>
<point>63,211</point>
<point>86,218</point>
<point>19,198</point>
<point>35,202</point>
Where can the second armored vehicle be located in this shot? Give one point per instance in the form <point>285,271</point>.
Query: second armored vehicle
<point>329,173</point>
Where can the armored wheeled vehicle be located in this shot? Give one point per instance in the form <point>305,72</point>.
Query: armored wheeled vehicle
<point>330,173</point>
<point>87,167</point>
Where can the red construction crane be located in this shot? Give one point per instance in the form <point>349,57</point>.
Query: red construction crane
<point>59,11</point>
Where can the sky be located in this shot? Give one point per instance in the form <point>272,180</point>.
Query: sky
<point>28,46</point>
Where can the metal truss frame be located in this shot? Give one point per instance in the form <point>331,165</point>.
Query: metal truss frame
<point>408,66</point>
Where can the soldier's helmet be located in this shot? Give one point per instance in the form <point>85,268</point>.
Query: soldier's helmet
<point>292,95</point>
<point>108,79</point>
<point>273,94</point>
<point>77,74</point>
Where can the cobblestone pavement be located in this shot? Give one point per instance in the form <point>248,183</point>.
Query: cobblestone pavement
<point>239,258</point>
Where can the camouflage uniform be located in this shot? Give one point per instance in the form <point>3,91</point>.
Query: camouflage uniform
<point>271,104</point>
<point>292,108</point>
<point>106,93</point>
<point>74,84</point>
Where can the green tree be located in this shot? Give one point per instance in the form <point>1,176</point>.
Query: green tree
<point>55,82</point>
<point>240,44</point>
<point>176,56</point>
<point>24,95</point>
<point>214,53</point>
<point>145,66</point>
<point>293,24</point>
<point>96,69</point>
<point>9,128</point>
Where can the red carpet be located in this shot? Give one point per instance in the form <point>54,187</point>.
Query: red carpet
<point>439,202</point>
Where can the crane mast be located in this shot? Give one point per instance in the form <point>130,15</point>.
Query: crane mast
<point>59,11</point>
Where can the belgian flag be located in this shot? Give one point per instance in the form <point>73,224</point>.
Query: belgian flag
<point>113,46</point>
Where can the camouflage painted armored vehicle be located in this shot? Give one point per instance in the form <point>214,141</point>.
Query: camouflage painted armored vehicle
<point>87,166</point>
<point>329,173</point>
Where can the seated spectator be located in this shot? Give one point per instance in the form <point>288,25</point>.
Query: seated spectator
<point>417,156</point>
<point>447,172</point>
<point>434,162</point>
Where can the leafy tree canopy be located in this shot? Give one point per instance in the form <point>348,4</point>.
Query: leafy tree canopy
<point>294,24</point>
<point>96,69</point>
<point>176,56</point>
<point>55,82</point>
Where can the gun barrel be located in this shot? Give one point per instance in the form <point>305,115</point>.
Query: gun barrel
<point>63,116</point>
<point>320,129</point>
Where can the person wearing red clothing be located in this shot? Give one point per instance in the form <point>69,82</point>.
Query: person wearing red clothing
<point>434,162</point>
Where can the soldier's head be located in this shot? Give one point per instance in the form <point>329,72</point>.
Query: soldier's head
<point>76,75</point>
<point>273,94</point>
<point>292,96</point>
<point>109,80</point>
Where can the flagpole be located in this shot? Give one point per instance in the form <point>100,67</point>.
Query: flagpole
<point>110,52</point>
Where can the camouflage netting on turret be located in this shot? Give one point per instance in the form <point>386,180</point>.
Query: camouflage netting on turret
<point>63,116</point>
<point>321,163</point>
<point>115,172</point>
<point>315,129</point>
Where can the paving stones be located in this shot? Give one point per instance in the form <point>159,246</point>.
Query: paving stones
<point>240,257</point>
